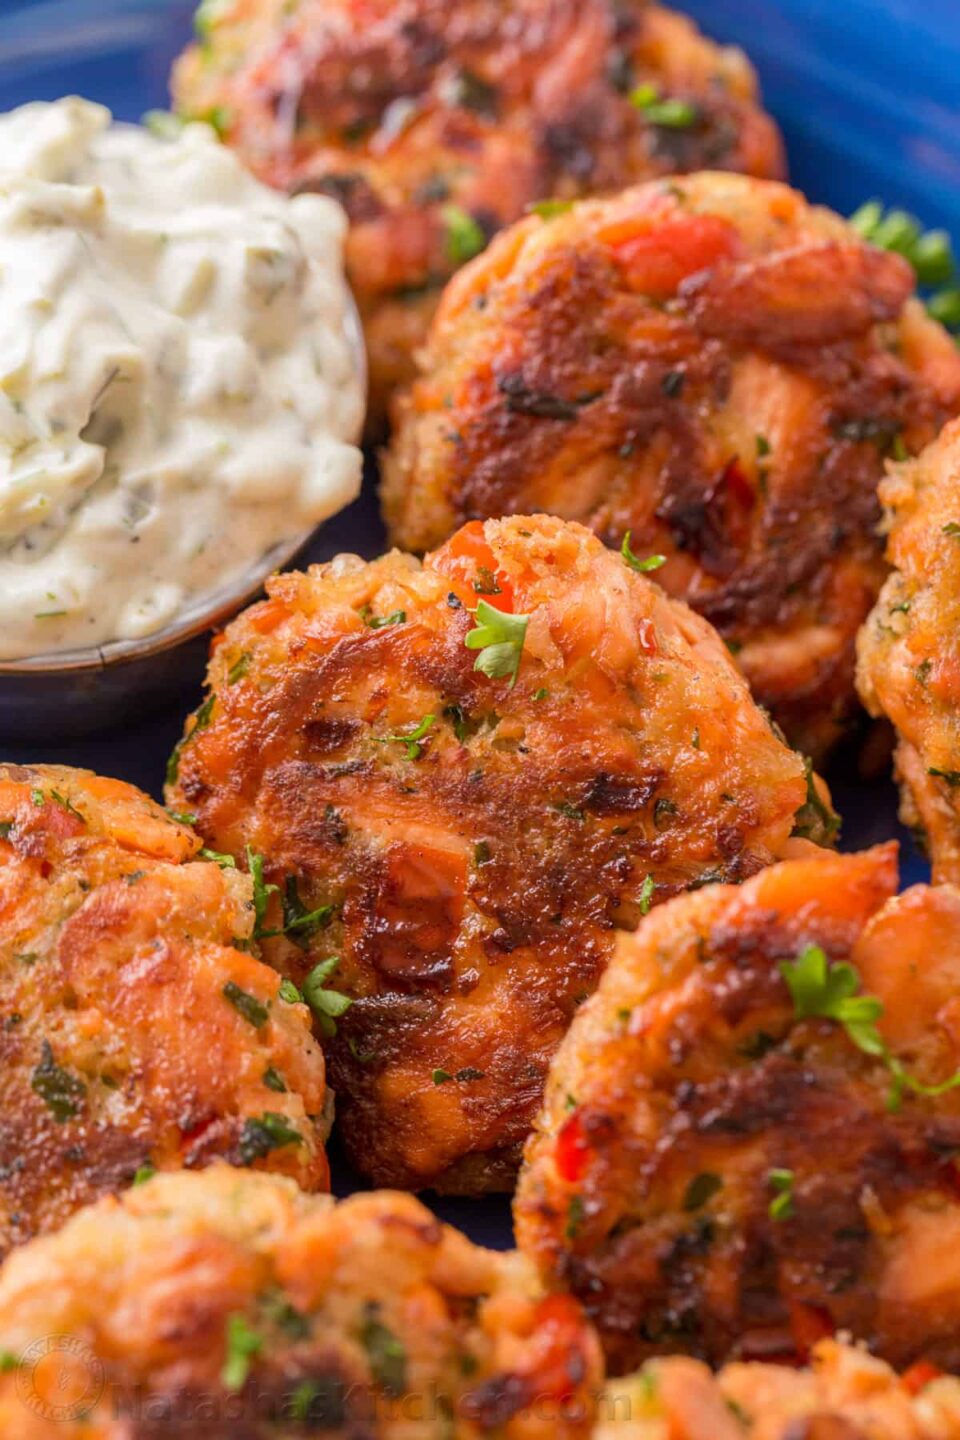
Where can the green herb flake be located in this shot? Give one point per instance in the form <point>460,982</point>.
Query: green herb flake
<point>381,622</point>
<point>949,777</point>
<point>242,1345</point>
<point>8,1361</point>
<point>261,894</point>
<point>575,1215</point>
<point>499,637</point>
<point>821,989</point>
<point>669,114</point>
<point>327,1005</point>
<point>289,992</point>
<point>781,1183</point>
<point>440,1077</point>
<point>226,862</point>
<point>550,209</point>
<point>264,1133</point>
<point>274,1081</point>
<point>642,567</point>
<point>465,238</point>
<point>412,739</point>
<point>239,668</point>
<point>62,1093</point>
<point>816,820</point>
<point>646,894</point>
<point>144,1173</point>
<point>386,1354</point>
<point>700,1190</point>
<point>6,828</point>
<point>252,1010</point>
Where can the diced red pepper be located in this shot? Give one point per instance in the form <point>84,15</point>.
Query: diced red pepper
<point>573,1150</point>
<point>919,1376</point>
<point>657,257</point>
<point>647,635</point>
<point>470,565</point>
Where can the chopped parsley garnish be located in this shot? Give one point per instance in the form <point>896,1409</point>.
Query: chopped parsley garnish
<point>763,447</point>
<point>952,528</point>
<point>299,923</point>
<point>62,1093</point>
<point>540,694</point>
<point>289,992</point>
<point>671,114</point>
<point>200,722</point>
<point>262,891</point>
<point>574,1218</point>
<point>264,1133</point>
<point>387,1355</point>
<point>327,1005</point>
<point>226,862</point>
<point>642,567</point>
<point>440,1077</point>
<point>646,894</point>
<point>465,238</point>
<point>412,738</point>
<point>949,777</point>
<point>252,1009</point>
<point>822,989</point>
<point>549,209</point>
<point>274,1081</point>
<point>816,820</point>
<point>380,622</point>
<point>65,804</point>
<point>239,668</point>
<point>499,637</point>
<point>243,1343</point>
<point>702,1188</point>
<point>468,1073</point>
<point>781,1183</point>
<point>929,252</point>
<point>6,826</point>
<point>183,817</point>
<point>144,1173</point>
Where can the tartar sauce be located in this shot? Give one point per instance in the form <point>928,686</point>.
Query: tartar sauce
<point>180,387</point>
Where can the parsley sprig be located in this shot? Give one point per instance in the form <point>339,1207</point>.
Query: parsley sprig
<point>929,252</point>
<point>327,1005</point>
<point>671,114</point>
<point>642,567</point>
<point>823,989</point>
<point>499,636</point>
<point>411,738</point>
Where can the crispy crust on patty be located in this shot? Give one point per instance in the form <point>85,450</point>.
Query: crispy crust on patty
<point>690,1082</point>
<point>475,876</point>
<point>436,125</point>
<point>716,367</point>
<point>909,649</point>
<point>230,1306</point>
<point>135,1032</point>
<point>846,1394</point>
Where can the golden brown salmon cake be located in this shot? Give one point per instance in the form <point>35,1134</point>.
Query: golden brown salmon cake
<point>712,365</point>
<point>464,827</point>
<point>436,124</point>
<point>909,649</point>
<point>136,1032</point>
<point>846,1394</point>
<point>230,1306</point>
<point>750,1134</point>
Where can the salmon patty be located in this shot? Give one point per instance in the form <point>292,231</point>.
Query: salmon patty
<point>454,780</point>
<point>712,365</point>
<point>846,1394</point>
<point>230,1306</point>
<point>435,125</point>
<point>138,1031</point>
<point>909,649</point>
<point>750,1134</point>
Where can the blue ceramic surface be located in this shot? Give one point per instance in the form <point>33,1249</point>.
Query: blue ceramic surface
<point>867,92</point>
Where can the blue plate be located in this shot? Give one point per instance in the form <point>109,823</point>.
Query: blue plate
<point>867,94</point>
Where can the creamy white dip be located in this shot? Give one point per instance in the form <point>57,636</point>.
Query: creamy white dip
<point>180,387</point>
